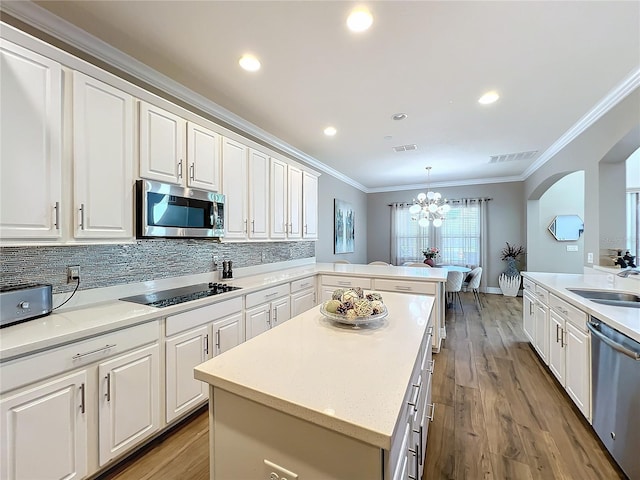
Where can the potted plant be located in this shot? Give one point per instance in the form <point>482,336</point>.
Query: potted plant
<point>509,280</point>
<point>430,255</point>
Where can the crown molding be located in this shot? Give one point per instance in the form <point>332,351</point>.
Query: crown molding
<point>456,183</point>
<point>615,96</point>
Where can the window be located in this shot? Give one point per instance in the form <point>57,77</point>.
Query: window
<point>633,223</point>
<point>458,239</point>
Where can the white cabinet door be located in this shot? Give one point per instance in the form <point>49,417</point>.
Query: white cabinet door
<point>294,200</point>
<point>183,353</point>
<point>556,346</point>
<point>541,317</point>
<point>203,158</point>
<point>234,187</point>
<point>302,301</point>
<point>258,320</point>
<point>227,333</point>
<point>102,159</point>
<point>279,207</point>
<point>258,194</point>
<point>44,431</point>
<point>280,311</point>
<point>528,321</point>
<point>326,292</point>
<point>30,144</point>
<point>162,144</point>
<point>128,401</point>
<point>578,368</point>
<point>309,206</point>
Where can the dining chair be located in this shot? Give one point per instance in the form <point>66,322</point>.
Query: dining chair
<point>474,283</point>
<point>379,263</point>
<point>418,265</point>
<point>342,261</point>
<point>453,286</point>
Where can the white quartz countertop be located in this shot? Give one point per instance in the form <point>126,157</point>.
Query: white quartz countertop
<point>103,312</point>
<point>348,380</point>
<point>624,319</point>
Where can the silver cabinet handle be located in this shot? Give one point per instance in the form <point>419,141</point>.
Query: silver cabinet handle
<point>93,352</point>
<point>530,308</point>
<point>344,284</point>
<point>433,411</point>
<point>253,226</point>
<point>245,226</point>
<point>180,168</point>
<point>82,216</point>
<point>192,171</point>
<point>286,228</point>
<point>275,315</point>
<point>82,398</point>
<point>419,432</point>
<point>206,344</point>
<point>414,402</point>
<point>270,294</point>
<point>108,393</point>
<point>291,228</point>
<point>557,333</point>
<point>218,339</point>
<point>305,228</point>
<point>404,289</point>
<point>432,366</point>
<point>415,454</point>
<point>562,339</point>
<point>56,207</point>
<point>302,285</point>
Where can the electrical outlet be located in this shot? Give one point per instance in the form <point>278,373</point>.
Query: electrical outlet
<point>589,257</point>
<point>73,273</point>
<point>276,472</point>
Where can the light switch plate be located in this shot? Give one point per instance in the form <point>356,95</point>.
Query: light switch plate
<point>589,257</point>
<point>572,248</point>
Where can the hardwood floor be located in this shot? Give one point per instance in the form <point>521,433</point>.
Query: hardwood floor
<point>498,415</point>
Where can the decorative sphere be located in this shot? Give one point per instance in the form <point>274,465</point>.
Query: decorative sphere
<point>446,207</point>
<point>437,196</point>
<point>433,208</point>
<point>423,222</point>
<point>421,197</point>
<point>437,222</point>
<point>413,209</point>
<point>430,195</point>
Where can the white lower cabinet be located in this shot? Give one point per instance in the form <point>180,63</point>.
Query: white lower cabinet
<point>192,338</point>
<point>334,282</point>
<point>129,400</point>
<point>303,295</point>
<point>528,321</point>
<point>44,431</point>
<point>266,309</point>
<point>541,326</point>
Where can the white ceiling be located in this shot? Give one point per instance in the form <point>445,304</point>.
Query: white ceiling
<point>551,62</point>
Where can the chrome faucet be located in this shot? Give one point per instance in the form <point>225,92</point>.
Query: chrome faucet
<point>627,272</point>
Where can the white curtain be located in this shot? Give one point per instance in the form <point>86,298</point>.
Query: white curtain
<point>408,239</point>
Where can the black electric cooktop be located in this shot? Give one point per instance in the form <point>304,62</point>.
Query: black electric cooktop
<point>174,296</point>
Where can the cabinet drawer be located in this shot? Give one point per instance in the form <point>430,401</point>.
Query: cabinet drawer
<point>569,312</point>
<point>345,282</point>
<point>405,286</point>
<point>48,363</point>
<point>199,316</point>
<point>253,299</point>
<point>303,284</point>
<point>542,294</point>
<point>529,285</point>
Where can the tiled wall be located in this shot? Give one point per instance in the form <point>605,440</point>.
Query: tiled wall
<point>107,265</point>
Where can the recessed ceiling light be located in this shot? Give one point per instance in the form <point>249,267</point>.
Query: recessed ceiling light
<point>249,63</point>
<point>330,131</point>
<point>489,97</point>
<point>359,20</point>
<point>399,116</point>
<point>387,137</point>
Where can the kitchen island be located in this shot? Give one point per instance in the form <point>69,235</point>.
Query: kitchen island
<point>324,400</point>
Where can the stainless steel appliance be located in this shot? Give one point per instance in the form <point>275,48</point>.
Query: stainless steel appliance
<point>615,364</point>
<point>174,296</point>
<point>164,210</point>
<point>19,303</point>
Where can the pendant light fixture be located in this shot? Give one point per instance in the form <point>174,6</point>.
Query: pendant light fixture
<point>429,207</point>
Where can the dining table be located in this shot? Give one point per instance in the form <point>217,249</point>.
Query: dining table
<point>454,268</point>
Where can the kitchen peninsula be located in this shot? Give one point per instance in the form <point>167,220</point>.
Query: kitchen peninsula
<point>325,400</point>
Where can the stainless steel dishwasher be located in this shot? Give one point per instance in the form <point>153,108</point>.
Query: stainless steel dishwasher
<point>615,368</point>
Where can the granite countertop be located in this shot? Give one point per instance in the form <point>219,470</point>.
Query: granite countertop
<point>348,380</point>
<point>99,311</point>
<point>623,319</point>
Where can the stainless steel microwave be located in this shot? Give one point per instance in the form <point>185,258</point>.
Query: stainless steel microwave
<point>171,211</point>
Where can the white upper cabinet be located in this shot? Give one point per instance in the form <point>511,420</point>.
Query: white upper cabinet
<point>258,194</point>
<point>103,159</point>
<point>162,145</point>
<point>234,187</point>
<point>309,206</point>
<point>30,144</point>
<point>203,158</point>
<point>279,202</point>
<point>294,196</point>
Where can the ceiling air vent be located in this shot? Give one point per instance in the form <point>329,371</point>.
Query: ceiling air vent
<point>511,157</point>
<point>405,148</point>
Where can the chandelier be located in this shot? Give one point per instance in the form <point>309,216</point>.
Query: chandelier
<point>429,207</point>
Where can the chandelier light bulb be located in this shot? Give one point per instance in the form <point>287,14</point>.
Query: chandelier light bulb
<point>437,222</point>
<point>421,197</point>
<point>424,222</point>
<point>430,195</point>
<point>433,208</point>
<point>415,208</point>
<point>437,196</point>
<point>446,207</point>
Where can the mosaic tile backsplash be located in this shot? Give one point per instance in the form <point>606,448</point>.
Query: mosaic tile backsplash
<point>108,265</point>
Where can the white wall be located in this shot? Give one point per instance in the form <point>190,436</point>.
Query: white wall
<point>505,212</point>
<point>330,188</point>
<point>633,170</point>
<point>545,253</point>
<point>613,216</point>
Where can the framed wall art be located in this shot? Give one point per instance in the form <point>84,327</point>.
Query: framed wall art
<point>344,227</point>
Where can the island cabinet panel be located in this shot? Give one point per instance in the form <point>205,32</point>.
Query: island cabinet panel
<point>405,286</point>
<point>246,433</point>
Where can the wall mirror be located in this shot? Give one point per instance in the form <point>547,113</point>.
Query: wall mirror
<point>566,228</point>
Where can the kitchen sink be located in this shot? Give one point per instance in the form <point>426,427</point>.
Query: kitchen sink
<point>609,297</point>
